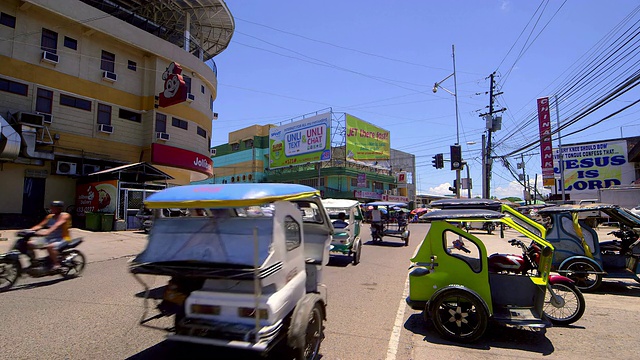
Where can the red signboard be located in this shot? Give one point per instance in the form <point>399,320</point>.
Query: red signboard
<point>175,89</point>
<point>172,156</point>
<point>546,148</point>
<point>101,196</point>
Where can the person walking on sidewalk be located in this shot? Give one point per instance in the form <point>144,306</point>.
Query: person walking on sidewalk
<point>55,228</point>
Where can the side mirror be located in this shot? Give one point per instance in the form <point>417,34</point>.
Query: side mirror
<point>502,231</point>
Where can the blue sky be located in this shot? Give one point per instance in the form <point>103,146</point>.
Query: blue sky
<point>378,60</point>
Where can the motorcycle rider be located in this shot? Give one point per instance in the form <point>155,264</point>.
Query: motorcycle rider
<point>55,228</point>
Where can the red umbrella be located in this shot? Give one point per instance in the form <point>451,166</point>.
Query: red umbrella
<point>419,211</point>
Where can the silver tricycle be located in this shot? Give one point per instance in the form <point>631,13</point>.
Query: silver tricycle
<point>245,265</point>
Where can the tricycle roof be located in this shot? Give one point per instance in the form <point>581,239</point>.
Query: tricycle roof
<point>339,203</point>
<point>386,203</point>
<point>577,208</point>
<point>466,214</point>
<point>227,195</point>
<point>466,204</point>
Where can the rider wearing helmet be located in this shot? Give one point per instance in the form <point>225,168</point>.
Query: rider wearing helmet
<point>55,228</point>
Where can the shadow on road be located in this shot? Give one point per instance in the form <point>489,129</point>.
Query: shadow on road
<point>37,284</point>
<point>385,243</point>
<point>617,287</point>
<point>495,337</point>
<point>155,293</point>
<point>176,350</point>
<point>340,260</point>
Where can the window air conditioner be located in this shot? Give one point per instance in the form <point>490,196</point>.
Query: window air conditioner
<point>49,57</point>
<point>47,118</point>
<point>162,136</point>
<point>190,97</point>
<point>105,128</point>
<point>66,168</point>
<point>109,76</point>
<point>29,118</point>
<point>90,169</point>
<point>215,116</point>
<point>213,152</point>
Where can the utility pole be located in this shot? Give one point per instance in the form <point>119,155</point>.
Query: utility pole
<point>524,179</point>
<point>492,124</point>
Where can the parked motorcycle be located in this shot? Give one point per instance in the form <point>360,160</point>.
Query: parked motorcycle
<point>564,304</point>
<point>72,261</point>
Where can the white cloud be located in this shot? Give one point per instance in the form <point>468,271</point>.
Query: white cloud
<point>506,4</point>
<point>442,189</point>
<point>514,189</point>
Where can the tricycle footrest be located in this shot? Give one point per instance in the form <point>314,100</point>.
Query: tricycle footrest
<point>520,317</point>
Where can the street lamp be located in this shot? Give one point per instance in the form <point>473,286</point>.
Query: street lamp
<point>455,96</point>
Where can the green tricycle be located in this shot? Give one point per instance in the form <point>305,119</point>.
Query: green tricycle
<point>346,217</point>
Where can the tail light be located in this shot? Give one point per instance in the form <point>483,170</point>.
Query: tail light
<point>251,313</point>
<point>205,309</point>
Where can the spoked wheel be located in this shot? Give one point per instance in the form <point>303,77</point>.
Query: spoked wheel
<point>8,274</point>
<point>73,263</point>
<point>582,273</point>
<point>566,307</point>
<point>309,336</point>
<point>459,315</point>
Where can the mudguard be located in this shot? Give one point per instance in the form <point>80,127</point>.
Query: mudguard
<point>582,258</point>
<point>299,319</point>
<point>460,287</point>
<point>559,279</point>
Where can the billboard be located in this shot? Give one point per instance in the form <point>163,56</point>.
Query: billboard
<point>300,142</point>
<point>546,152</point>
<point>591,166</point>
<point>100,196</point>
<point>366,142</point>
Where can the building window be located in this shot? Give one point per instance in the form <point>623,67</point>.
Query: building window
<point>202,89</point>
<point>248,143</point>
<point>8,20</point>
<point>187,81</point>
<point>354,182</point>
<point>211,103</point>
<point>44,101</point>
<point>161,123</point>
<point>49,41</point>
<point>131,65</point>
<point>70,43</point>
<point>104,114</point>
<point>129,115</point>
<point>108,61</point>
<point>182,124</point>
<point>202,132</point>
<point>13,87</point>
<point>75,102</point>
<point>235,147</point>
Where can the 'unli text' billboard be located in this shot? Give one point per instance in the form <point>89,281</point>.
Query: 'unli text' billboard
<point>592,166</point>
<point>300,142</point>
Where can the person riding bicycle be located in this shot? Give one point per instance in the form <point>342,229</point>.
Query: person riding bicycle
<point>55,228</point>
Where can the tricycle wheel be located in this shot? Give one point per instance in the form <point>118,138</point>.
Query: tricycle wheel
<point>406,240</point>
<point>490,228</point>
<point>306,331</point>
<point>356,255</point>
<point>73,263</point>
<point>8,274</point>
<point>568,308</point>
<point>582,273</point>
<point>459,315</point>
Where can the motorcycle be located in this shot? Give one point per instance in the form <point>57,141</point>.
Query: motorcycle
<point>564,304</point>
<point>71,260</point>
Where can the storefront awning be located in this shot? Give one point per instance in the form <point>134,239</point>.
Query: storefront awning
<point>137,173</point>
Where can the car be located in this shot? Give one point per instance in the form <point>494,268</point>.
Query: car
<point>245,266</point>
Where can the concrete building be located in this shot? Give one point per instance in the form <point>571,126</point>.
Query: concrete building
<point>89,85</point>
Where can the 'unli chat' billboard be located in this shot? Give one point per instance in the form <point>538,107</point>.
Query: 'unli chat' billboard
<point>366,142</point>
<point>592,166</point>
<point>300,142</point>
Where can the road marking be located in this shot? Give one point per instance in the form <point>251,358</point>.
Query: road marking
<point>394,340</point>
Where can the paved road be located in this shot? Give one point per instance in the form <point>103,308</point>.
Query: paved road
<point>95,316</point>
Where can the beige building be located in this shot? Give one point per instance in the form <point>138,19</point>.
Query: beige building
<point>88,85</point>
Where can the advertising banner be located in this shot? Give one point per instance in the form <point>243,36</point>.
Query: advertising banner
<point>96,197</point>
<point>591,166</point>
<point>300,142</point>
<point>366,142</point>
<point>185,159</point>
<point>546,148</point>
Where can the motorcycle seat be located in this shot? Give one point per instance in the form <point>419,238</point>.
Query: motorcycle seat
<point>71,244</point>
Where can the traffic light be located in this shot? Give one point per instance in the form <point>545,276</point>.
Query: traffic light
<point>438,161</point>
<point>454,188</point>
<point>456,157</point>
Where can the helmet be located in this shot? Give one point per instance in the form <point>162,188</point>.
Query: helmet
<point>57,203</point>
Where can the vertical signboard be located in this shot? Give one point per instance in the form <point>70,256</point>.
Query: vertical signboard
<point>546,148</point>
<point>362,180</point>
<point>366,142</point>
<point>300,142</point>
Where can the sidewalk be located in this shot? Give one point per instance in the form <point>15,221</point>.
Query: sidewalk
<point>97,246</point>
